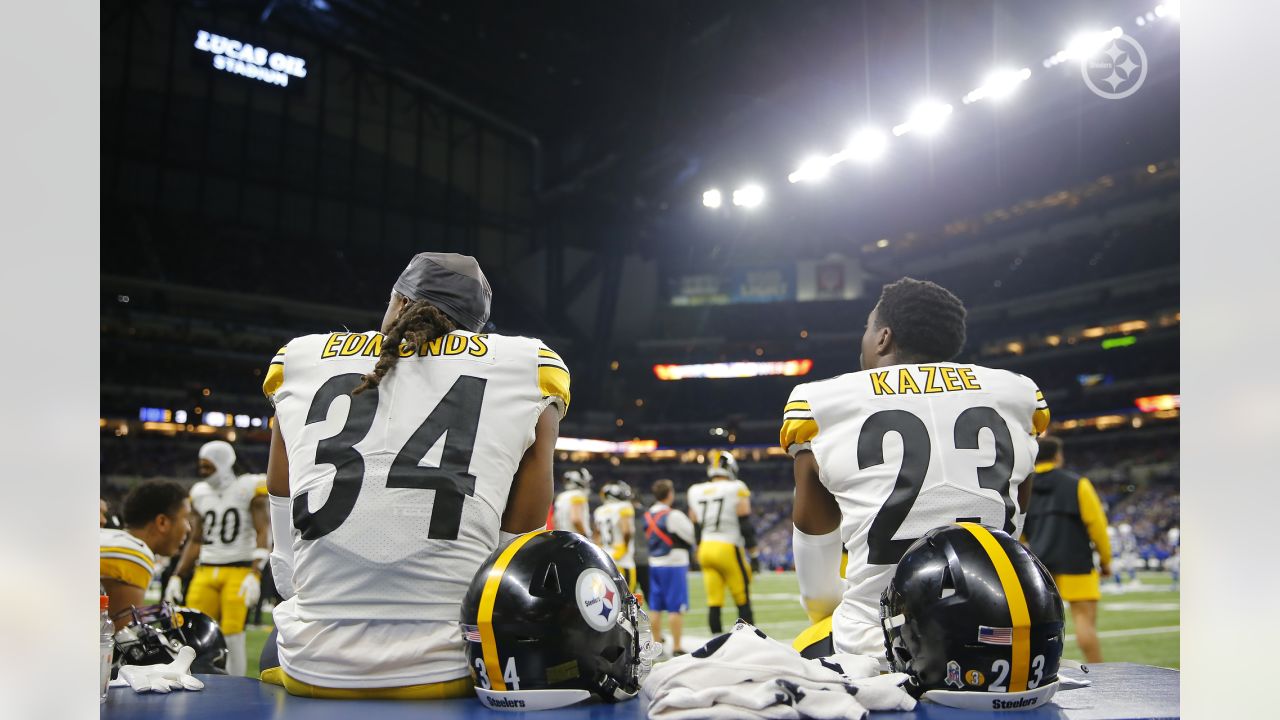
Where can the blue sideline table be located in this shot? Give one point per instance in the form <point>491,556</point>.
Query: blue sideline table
<point>1120,691</point>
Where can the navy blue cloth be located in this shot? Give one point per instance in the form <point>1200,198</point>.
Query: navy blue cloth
<point>1120,691</point>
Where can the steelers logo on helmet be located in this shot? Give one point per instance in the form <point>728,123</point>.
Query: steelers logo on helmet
<point>975,621</point>
<point>598,598</point>
<point>549,623</point>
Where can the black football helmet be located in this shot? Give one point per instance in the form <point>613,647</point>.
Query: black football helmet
<point>548,622</point>
<point>157,632</point>
<point>975,619</point>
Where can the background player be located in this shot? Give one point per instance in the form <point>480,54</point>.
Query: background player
<point>615,522</point>
<point>1127,554</point>
<point>400,460</point>
<point>1065,525</point>
<point>230,535</point>
<point>910,443</point>
<point>721,507</point>
<point>572,504</point>
<point>669,534</point>
<point>155,519</point>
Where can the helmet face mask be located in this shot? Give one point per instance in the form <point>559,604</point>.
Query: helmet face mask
<point>157,632</point>
<point>975,620</point>
<point>549,622</point>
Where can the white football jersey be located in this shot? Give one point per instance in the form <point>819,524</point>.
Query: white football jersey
<point>398,492</point>
<point>908,448</point>
<point>610,518</point>
<point>565,503</point>
<point>715,502</point>
<point>229,536</point>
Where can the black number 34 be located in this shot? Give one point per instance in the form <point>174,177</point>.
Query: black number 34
<point>916,449</point>
<point>457,414</point>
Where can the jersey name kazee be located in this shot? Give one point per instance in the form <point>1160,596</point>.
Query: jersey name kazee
<point>370,345</point>
<point>922,380</point>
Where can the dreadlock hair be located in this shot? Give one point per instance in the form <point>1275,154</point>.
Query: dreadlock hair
<point>927,319</point>
<point>418,322</point>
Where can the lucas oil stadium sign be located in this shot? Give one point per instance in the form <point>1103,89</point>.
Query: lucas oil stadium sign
<point>251,61</point>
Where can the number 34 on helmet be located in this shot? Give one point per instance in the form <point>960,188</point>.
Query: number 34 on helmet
<point>548,622</point>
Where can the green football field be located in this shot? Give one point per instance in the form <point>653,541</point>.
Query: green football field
<point>1140,624</point>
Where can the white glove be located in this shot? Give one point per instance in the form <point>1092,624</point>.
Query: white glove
<point>161,678</point>
<point>251,589</point>
<point>173,590</point>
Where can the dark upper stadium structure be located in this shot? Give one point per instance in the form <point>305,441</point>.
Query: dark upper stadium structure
<point>568,146</point>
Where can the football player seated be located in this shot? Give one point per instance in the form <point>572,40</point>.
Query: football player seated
<point>156,516</point>
<point>975,621</point>
<point>229,535</point>
<point>911,442</point>
<point>727,552</point>
<point>548,622</point>
<point>572,503</point>
<point>399,461</point>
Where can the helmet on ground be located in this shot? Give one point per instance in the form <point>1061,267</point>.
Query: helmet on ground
<point>975,620</point>
<point>156,633</point>
<point>548,622</point>
<point>579,479</point>
<point>721,463</point>
<point>616,491</point>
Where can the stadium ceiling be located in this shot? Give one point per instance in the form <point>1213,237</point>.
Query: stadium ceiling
<point>640,103</point>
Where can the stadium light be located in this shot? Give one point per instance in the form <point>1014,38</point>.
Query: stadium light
<point>711,198</point>
<point>748,196</point>
<point>926,118</point>
<point>1084,45</point>
<point>814,168</point>
<point>998,84</point>
<point>867,145</point>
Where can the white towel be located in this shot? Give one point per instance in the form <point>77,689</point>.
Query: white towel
<point>744,674</point>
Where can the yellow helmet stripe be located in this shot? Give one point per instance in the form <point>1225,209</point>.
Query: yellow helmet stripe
<point>488,644</point>
<point>1019,615</point>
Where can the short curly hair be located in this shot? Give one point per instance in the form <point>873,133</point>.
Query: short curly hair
<point>927,320</point>
<point>151,498</point>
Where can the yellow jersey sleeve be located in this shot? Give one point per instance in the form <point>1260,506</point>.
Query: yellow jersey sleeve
<point>627,512</point>
<point>577,500</point>
<point>553,378</point>
<point>743,490</point>
<point>1094,518</point>
<point>799,427</point>
<point>1040,418</point>
<point>260,487</point>
<point>126,564</point>
<point>275,374</point>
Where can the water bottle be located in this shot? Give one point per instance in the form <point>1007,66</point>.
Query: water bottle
<point>107,646</point>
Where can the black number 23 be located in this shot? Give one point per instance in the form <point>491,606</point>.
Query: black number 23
<point>882,548</point>
<point>457,414</point>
